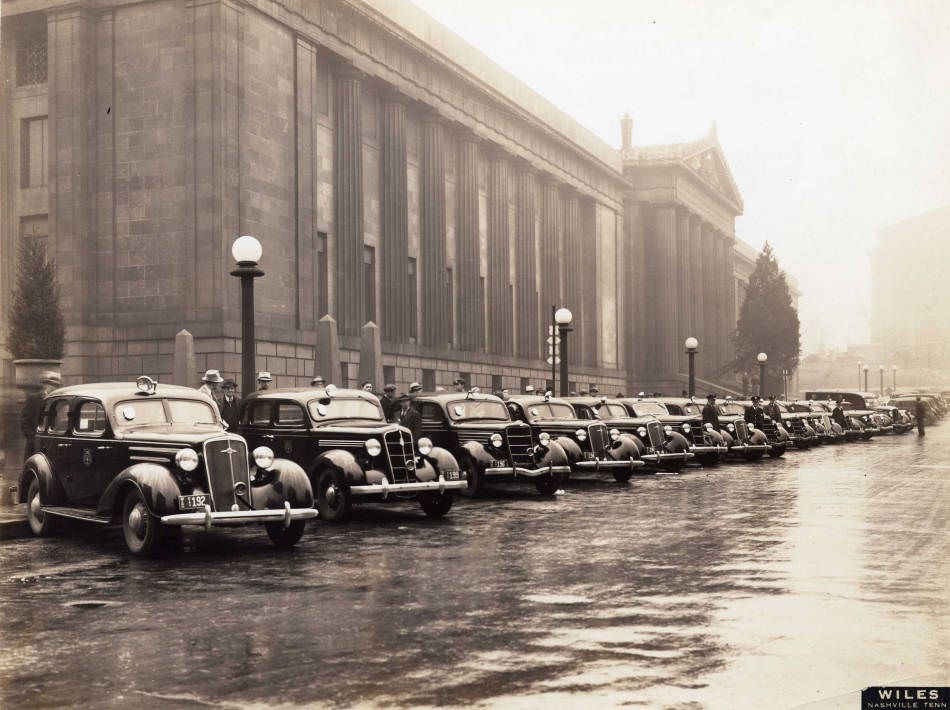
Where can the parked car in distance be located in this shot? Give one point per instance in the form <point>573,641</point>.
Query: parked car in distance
<point>742,440</point>
<point>154,458</point>
<point>589,445</point>
<point>686,416</point>
<point>349,450</point>
<point>491,448</point>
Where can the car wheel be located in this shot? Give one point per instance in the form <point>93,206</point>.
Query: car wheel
<point>435,505</point>
<point>548,484</point>
<point>622,476</point>
<point>476,479</point>
<point>41,524</point>
<point>333,497</point>
<point>777,450</point>
<point>285,537</point>
<point>139,526</point>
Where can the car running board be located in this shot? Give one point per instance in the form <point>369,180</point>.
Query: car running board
<point>83,514</point>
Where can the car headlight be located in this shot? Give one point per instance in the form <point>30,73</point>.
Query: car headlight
<point>730,427</point>
<point>496,440</point>
<point>614,434</point>
<point>708,426</point>
<point>642,431</point>
<point>263,457</point>
<point>580,435</point>
<point>187,459</point>
<point>424,446</point>
<point>373,447</point>
<point>686,427</point>
<point>668,429</point>
<point>544,438</point>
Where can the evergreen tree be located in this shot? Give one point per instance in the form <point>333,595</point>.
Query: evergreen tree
<point>768,323</point>
<point>36,329</point>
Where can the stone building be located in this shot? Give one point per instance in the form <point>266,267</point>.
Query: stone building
<point>393,174</point>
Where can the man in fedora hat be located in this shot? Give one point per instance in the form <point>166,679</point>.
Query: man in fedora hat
<point>388,399</point>
<point>406,415</point>
<point>414,389</point>
<point>773,409</point>
<point>710,413</point>
<point>459,384</point>
<point>318,381</point>
<point>30,416</point>
<point>263,380</point>
<point>210,382</point>
<point>230,405</point>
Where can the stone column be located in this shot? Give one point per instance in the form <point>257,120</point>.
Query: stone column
<point>666,311</point>
<point>396,318</point>
<point>729,279</point>
<point>306,96</point>
<point>589,315</point>
<point>710,314</point>
<point>371,355</point>
<point>722,323</point>
<point>684,285</point>
<point>550,238</point>
<point>526,269</point>
<point>348,199</point>
<point>499,296</point>
<point>696,287</point>
<point>573,255</point>
<point>436,305</point>
<point>469,305</point>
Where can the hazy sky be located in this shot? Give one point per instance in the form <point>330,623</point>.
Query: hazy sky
<point>834,116</point>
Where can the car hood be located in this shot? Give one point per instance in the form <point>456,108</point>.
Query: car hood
<point>184,436</point>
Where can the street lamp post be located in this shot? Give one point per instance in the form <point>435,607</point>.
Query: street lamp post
<point>247,253</point>
<point>785,382</point>
<point>866,368</point>
<point>894,380</point>
<point>882,380</point>
<point>762,358</point>
<point>563,318</point>
<point>691,348</point>
<point>859,374</point>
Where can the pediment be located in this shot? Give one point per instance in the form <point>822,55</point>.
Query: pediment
<point>709,163</point>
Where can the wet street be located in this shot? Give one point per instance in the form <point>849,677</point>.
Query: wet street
<point>786,583</point>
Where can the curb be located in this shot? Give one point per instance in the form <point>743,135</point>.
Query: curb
<point>13,523</point>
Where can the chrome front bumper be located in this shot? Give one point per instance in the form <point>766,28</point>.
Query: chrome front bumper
<point>664,457</point>
<point>714,449</point>
<point>745,448</point>
<point>607,464</point>
<point>272,515</point>
<point>385,488</point>
<point>529,472</point>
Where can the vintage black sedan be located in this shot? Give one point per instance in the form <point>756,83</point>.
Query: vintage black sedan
<point>746,441</point>
<point>351,453</point>
<point>590,446</point>
<point>686,417</point>
<point>490,447</point>
<point>154,458</point>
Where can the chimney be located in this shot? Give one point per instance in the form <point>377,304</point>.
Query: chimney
<point>626,131</point>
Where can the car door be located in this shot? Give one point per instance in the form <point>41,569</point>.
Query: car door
<point>62,454</point>
<point>256,424</point>
<point>291,433</point>
<point>96,459</point>
<point>434,425</point>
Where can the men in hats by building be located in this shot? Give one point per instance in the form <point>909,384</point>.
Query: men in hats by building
<point>263,380</point>
<point>210,384</point>
<point>414,389</point>
<point>459,384</point>
<point>407,415</point>
<point>388,399</point>
<point>755,415</point>
<point>30,415</point>
<point>773,410</point>
<point>318,381</point>
<point>230,405</point>
<point>711,412</point>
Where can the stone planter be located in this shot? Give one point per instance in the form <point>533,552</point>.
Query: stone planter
<point>27,372</point>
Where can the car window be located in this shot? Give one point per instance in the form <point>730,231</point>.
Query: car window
<point>91,418</point>
<point>732,409</point>
<point>551,410</point>
<point>691,409</point>
<point>60,419</point>
<point>612,411</point>
<point>478,409</point>
<point>191,411</point>
<point>259,413</point>
<point>290,414</point>
<point>583,412</point>
<point>643,408</point>
<point>430,412</point>
<point>328,408</point>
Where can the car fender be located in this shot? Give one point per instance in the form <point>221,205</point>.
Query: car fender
<point>637,443</point>
<point>676,442</point>
<point>285,480</point>
<point>757,437</point>
<point>156,483</point>
<point>623,449</point>
<point>438,460</point>
<point>38,466</point>
<point>341,461</point>
<point>553,455</point>
<point>717,438</point>
<point>727,438</point>
<point>571,448</point>
<point>476,452</point>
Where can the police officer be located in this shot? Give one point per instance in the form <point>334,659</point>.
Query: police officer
<point>230,405</point>
<point>837,414</point>
<point>33,406</point>
<point>773,410</point>
<point>920,411</point>
<point>387,400</point>
<point>754,414</point>
<point>710,412</point>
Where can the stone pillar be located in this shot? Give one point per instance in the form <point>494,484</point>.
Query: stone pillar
<point>185,370</point>
<point>722,322</point>
<point>666,313</point>
<point>307,90</point>
<point>528,323</point>
<point>326,355</point>
<point>394,216</point>
<point>684,286</point>
<point>696,288</point>
<point>550,238</point>
<point>436,305</point>
<point>469,304</point>
<point>729,280</point>
<point>499,297</point>
<point>589,316</point>
<point>710,314</point>
<point>572,258</point>
<point>371,356</point>
<point>348,199</point>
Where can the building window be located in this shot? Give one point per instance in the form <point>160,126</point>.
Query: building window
<point>413,301</point>
<point>36,227</point>
<point>389,375</point>
<point>466,378</point>
<point>428,380</point>
<point>344,374</point>
<point>31,54</point>
<point>369,284</point>
<point>34,139</point>
<point>496,385</point>
<point>322,276</point>
<point>525,381</point>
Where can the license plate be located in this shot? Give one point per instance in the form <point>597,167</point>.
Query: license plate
<point>193,501</point>
<point>588,455</point>
<point>451,475</point>
<point>498,463</point>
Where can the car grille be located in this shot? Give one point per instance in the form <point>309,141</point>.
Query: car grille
<point>697,434</point>
<point>401,454</point>
<point>796,426</point>
<point>519,446</point>
<point>597,433</point>
<point>655,432</point>
<point>227,466</point>
<point>742,431</point>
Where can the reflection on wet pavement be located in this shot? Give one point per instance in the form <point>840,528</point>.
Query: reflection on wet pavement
<point>767,585</point>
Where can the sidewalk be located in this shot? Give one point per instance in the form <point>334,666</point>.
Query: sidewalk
<point>13,522</point>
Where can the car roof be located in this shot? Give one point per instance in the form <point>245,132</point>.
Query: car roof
<point>443,397</point>
<point>111,392</point>
<point>526,400</point>
<point>589,401</point>
<point>305,394</point>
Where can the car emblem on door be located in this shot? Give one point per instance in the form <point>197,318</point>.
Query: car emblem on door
<point>87,457</point>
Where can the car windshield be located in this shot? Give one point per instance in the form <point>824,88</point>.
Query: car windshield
<point>692,409</point>
<point>731,408</point>
<point>477,409</point>
<point>642,409</point>
<point>551,410</point>
<point>328,408</point>
<point>610,411</point>
<point>151,412</point>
